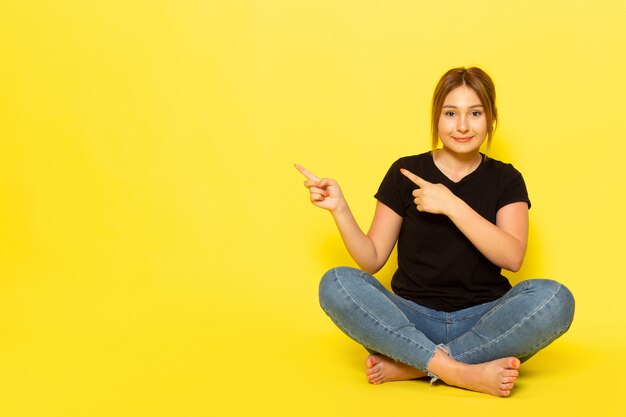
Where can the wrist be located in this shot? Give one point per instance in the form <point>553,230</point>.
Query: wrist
<point>454,207</point>
<point>341,208</point>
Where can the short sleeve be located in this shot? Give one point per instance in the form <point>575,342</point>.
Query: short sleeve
<point>390,190</point>
<point>514,189</point>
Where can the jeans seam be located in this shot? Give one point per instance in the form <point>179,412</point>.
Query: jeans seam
<point>420,313</point>
<point>543,343</point>
<point>526,318</point>
<point>377,321</point>
<point>549,339</point>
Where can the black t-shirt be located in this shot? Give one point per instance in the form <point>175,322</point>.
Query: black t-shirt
<point>438,267</point>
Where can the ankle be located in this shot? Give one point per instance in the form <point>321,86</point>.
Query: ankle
<point>441,365</point>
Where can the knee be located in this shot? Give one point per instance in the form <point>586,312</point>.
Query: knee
<point>559,299</point>
<point>333,286</point>
<point>565,298</point>
<point>327,287</point>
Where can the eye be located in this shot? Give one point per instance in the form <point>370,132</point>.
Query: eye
<point>449,113</point>
<point>476,113</point>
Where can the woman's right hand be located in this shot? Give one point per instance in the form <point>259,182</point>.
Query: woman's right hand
<point>324,193</point>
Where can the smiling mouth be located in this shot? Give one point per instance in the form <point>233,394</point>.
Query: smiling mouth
<point>465,139</point>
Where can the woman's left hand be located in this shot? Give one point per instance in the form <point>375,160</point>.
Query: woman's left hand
<point>429,197</point>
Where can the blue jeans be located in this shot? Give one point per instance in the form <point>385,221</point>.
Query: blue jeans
<point>526,319</point>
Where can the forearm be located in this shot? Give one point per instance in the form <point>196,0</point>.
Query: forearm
<point>359,245</point>
<point>370,251</point>
<point>496,244</point>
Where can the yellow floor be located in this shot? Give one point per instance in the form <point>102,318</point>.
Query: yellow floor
<point>290,368</point>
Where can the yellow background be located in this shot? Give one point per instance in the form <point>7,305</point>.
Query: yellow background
<point>158,253</point>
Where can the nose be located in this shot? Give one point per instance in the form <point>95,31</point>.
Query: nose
<point>462,125</point>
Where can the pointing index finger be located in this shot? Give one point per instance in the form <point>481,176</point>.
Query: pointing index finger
<point>414,178</point>
<point>307,173</point>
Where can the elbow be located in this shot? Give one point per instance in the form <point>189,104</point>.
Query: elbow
<point>514,267</point>
<point>371,264</point>
<point>515,258</point>
<point>370,269</point>
<point>515,264</point>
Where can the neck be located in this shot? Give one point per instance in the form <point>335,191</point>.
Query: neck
<point>459,163</point>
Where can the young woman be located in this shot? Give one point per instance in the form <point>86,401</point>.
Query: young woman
<point>458,218</point>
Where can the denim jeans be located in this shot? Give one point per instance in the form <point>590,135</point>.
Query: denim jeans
<point>526,319</point>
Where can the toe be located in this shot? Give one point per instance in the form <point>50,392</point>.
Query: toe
<point>379,380</point>
<point>508,379</point>
<point>372,361</point>
<point>506,386</point>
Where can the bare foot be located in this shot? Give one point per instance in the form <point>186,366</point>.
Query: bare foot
<point>496,377</point>
<point>383,369</point>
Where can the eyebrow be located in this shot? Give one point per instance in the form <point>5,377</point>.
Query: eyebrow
<point>454,107</point>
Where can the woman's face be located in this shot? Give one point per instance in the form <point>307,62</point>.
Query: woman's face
<point>462,123</point>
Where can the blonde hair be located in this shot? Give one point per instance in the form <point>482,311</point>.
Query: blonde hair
<point>474,78</point>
